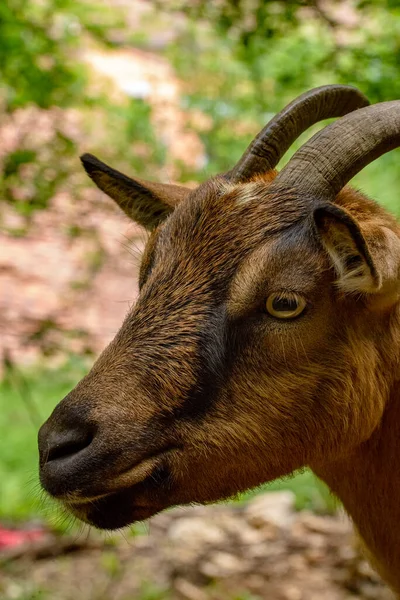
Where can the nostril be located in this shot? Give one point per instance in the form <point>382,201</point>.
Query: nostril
<point>67,444</point>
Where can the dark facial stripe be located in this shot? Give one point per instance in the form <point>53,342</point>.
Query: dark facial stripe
<point>212,369</point>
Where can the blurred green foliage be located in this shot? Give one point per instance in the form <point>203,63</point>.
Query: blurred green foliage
<point>240,61</point>
<point>290,44</point>
<point>36,42</point>
<point>257,55</point>
<point>42,73</point>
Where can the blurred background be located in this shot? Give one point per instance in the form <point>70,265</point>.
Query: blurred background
<point>170,91</point>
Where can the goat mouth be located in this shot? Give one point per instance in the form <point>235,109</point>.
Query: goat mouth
<point>131,496</point>
<point>114,510</point>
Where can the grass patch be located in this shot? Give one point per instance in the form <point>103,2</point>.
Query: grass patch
<point>26,400</point>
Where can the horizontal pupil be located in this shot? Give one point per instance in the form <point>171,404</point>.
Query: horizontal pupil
<point>284,305</point>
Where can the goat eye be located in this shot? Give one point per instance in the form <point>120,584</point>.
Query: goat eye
<point>285,305</point>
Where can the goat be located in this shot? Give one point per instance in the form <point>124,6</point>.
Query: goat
<point>265,338</point>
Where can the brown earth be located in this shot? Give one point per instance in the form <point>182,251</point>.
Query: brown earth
<point>60,295</point>
<point>262,550</point>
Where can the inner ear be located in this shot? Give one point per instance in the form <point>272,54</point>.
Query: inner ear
<point>348,249</point>
<point>145,202</point>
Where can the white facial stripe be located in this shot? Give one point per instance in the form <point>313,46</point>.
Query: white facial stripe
<point>247,192</point>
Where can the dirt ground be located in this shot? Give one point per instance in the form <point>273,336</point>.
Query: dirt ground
<point>262,550</point>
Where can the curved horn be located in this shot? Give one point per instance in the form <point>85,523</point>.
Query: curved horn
<point>268,147</point>
<point>335,154</point>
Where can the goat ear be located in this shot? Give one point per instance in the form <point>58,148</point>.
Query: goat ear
<point>366,257</point>
<point>145,202</point>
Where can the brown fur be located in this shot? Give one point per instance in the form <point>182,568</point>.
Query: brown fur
<point>202,394</point>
